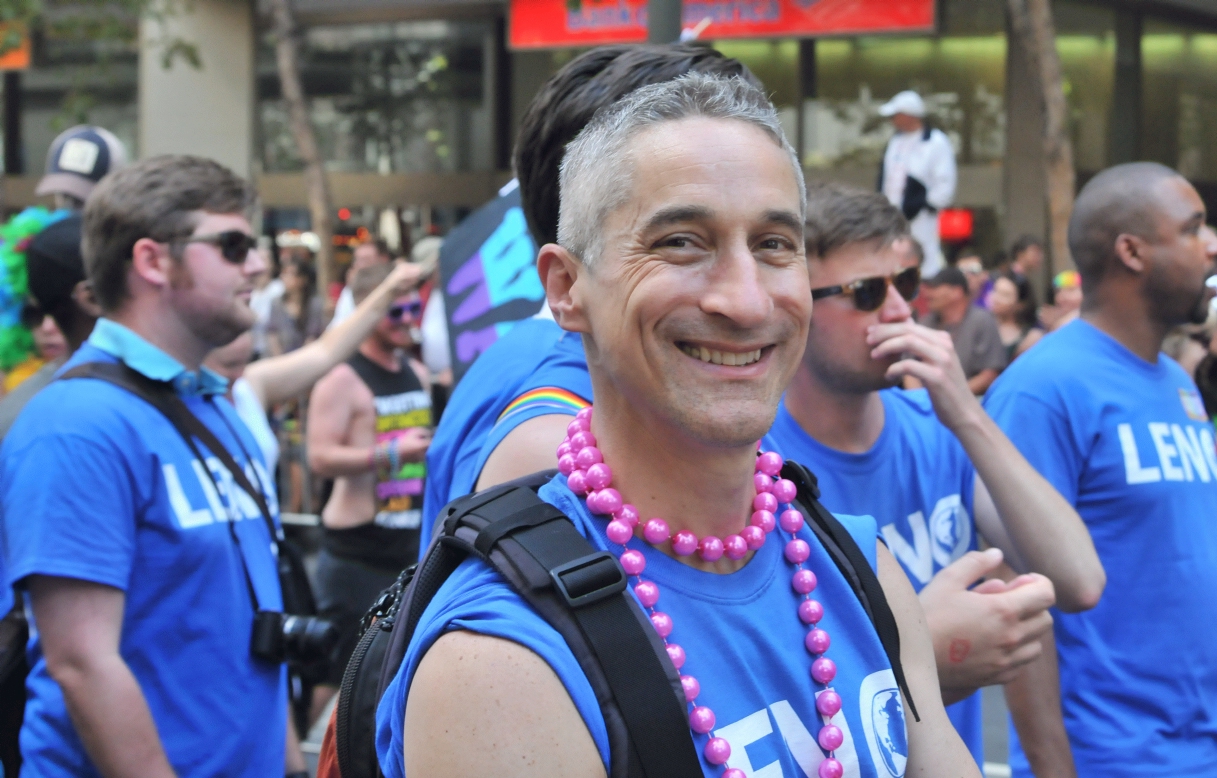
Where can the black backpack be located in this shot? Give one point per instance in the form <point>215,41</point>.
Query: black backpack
<point>581,592</point>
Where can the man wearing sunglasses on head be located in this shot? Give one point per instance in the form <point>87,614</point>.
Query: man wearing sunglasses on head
<point>369,426</point>
<point>928,464</point>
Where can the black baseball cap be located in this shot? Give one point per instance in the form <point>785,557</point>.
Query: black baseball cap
<point>80,157</point>
<point>54,263</point>
<point>949,276</point>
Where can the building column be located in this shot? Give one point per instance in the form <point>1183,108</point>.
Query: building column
<point>209,110</point>
<point>1024,180</point>
<point>1124,130</point>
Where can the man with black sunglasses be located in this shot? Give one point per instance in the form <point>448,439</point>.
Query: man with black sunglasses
<point>369,426</point>
<point>928,464</point>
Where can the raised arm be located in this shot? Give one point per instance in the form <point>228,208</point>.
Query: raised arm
<point>482,707</point>
<point>1043,533</point>
<point>79,625</point>
<point>280,378</point>
<point>935,749</point>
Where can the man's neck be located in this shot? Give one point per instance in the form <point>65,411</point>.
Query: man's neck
<point>1129,324</point>
<point>382,354</point>
<point>845,421</point>
<point>953,314</point>
<point>664,472</point>
<point>168,333</point>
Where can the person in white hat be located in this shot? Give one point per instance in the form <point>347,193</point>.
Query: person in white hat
<point>918,173</point>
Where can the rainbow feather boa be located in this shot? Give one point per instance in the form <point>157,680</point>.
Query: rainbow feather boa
<point>16,342</point>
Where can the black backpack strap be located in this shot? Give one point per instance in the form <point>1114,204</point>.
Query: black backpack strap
<point>581,592</point>
<point>853,565</point>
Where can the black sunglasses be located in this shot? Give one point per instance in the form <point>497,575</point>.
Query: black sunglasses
<point>234,245</point>
<point>413,308</point>
<point>869,293</point>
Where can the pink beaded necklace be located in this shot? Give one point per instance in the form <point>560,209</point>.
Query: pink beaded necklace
<point>588,475</point>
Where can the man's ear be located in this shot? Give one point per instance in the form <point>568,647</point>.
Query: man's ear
<point>1131,250</point>
<point>82,295</point>
<point>151,262</point>
<point>565,279</point>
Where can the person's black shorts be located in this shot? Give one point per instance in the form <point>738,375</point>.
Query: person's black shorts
<point>345,589</point>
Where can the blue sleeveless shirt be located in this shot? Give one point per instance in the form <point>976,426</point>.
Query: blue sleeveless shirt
<point>744,643</point>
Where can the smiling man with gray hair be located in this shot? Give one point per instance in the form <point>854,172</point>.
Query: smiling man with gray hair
<point>680,261</point>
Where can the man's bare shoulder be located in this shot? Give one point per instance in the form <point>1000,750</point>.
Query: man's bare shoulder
<point>482,706</point>
<point>342,383</point>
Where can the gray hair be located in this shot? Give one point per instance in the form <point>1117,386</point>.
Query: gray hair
<point>595,177</point>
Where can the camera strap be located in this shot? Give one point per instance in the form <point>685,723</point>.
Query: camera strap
<point>160,395</point>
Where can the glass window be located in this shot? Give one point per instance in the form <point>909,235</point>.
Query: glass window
<point>401,97</point>
<point>1179,98</point>
<point>1086,44</point>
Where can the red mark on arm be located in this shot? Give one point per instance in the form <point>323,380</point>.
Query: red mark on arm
<point>959,650</point>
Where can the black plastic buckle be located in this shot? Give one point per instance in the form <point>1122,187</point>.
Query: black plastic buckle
<point>601,570</point>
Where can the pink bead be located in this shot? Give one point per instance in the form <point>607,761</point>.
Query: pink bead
<point>735,547</point>
<point>785,490</point>
<point>765,520</point>
<point>619,532</point>
<point>797,551</point>
<point>588,457</point>
<point>753,535</point>
<point>803,581</point>
<point>717,751</point>
<point>585,414</point>
<point>610,500</point>
<point>828,703</point>
<point>791,520</point>
<point>684,543</point>
<point>582,440</point>
<point>576,426</point>
<point>676,654</point>
<point>810,612</point>
<point>830,737</point>
<point>770,463</point>
<point>701,719</point>
<point>824,670</point>
<point>831,768</point>
<point>648,593</point>
<point>734,772</point>
<point>691,686</point>
<point>765,502</point>
<point>662,623</point>
<point>710,549</point>
<point>564,449</point>
<point>762,482</point>
<point>600,508</point>
<point>633,562</point>
<point>628,514</point>
<point>576,482</point>
<point>599,475</point>
<point>817,641</point>
<point>566,464</point>
<point>656,531</point>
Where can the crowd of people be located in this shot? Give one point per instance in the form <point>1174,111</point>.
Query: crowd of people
<point>1015,494</point>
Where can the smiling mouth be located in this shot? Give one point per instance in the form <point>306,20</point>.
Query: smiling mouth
<point>716,357</point>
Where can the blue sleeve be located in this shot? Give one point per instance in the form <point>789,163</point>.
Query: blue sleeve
<point>1043,434</point>
<point>864,530</point>
<point>477,599</point>
<point>68,503</point>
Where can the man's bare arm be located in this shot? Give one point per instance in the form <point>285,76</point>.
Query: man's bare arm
<point>980,383</point>
<point>80,626</point>
<point>935,749</point>
<point>1034,698</point>
<point>482,707</point>
<point>1047,534</point>
<point>530,447</point>
<point>330,409</point>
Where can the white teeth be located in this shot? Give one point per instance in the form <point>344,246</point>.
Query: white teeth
<point>728,358</point>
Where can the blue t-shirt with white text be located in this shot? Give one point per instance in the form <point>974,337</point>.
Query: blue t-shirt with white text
<point>918,483</point>
<point>536,369</point>
<point>97,485</point>
<point>1128,443</point>
<point>744,643</point>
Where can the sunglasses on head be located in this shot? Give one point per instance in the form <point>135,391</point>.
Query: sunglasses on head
<point>413,309</point>
<point>869,293</point>
<point>234,245</point>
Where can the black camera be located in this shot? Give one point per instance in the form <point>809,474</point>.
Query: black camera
<point>283,637</point>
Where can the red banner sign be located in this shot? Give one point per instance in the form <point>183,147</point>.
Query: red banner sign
<point>537,24</point>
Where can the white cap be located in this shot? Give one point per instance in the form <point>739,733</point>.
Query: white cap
<point>907,102</point>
